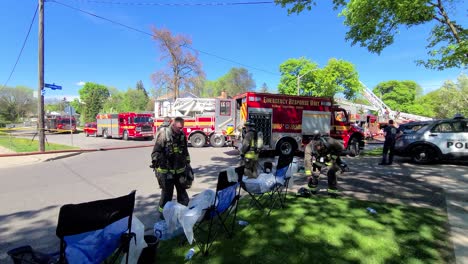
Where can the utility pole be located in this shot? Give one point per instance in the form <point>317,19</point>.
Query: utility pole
<point>299,80</point>
<point>40,89</point>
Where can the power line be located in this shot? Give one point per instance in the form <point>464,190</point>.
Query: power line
<point>152,35</point>
<point>181,4</point>
<point>22,48</point>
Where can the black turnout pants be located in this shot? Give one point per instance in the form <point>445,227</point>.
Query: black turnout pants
<point>167,183</point>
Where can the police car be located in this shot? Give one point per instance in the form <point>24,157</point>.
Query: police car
<point>427,141</point>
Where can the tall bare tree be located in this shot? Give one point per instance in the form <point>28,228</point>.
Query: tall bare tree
<point>182,61</point>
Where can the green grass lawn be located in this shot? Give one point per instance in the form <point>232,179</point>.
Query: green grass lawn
<point>26,145</point>
<point>372,152</point>
<point>327,230</point>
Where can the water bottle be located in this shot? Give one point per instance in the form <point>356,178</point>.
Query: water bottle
<point>371,210</point>
<point>190,254</point>
<point>243,223</point>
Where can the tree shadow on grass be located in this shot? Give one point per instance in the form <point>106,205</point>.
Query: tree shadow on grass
<point>326,230</point>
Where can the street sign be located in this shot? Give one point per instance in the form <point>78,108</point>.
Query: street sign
<point>53,86</point>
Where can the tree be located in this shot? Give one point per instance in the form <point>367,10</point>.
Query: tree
<point>450,99</point>
<point>141,87</point>
<point>399,95</point>
<point>374,24</point>
<point>182,64</point>
<point>16,103</point>
<point>93,96</point>
<point>264,88</point>
<point>114,103</point>
<point>338,76</point>
<point>236,81</point>
<point>134,101</point>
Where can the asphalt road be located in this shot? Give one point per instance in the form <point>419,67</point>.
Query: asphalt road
<point>31,195</point>
<point>80,140</point>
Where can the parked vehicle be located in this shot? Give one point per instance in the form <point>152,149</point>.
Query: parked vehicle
<point>125,125</point>
<point>207,120</point>
<point>58,123</point>
<point>428,141</point>
<point>288,122</point>
<point>90,129</point>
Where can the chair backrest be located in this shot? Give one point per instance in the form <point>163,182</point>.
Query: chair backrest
<point>100,223</point>
<point>284,161</point>
<point>226,191</point>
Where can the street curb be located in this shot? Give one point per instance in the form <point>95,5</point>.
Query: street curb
<point>77,151</point>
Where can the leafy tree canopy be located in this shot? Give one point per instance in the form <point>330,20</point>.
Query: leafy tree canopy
<point>374,23</point>
<point>338,76</point>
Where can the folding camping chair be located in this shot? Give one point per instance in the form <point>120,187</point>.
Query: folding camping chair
<point>277,193</point>
<point>93,232</point>
<point>225,204</point>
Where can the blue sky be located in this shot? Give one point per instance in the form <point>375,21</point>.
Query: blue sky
<point>80,48</point>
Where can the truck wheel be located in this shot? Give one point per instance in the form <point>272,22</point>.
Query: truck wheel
<point>423,155</point>
<point>353,147</point>
<point>87,134</point>
<point>217,140</point>
<point>104,134</point>
<point>198,140</point>
<point>286,147</point>
<point>125,135</point>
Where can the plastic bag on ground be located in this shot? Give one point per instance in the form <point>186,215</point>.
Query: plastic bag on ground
<point>195,212</point>
<point>135,249</point>
<point>262,184</point>
<point>172,212</point>
<point>161,232</point>
<point>267,180</point>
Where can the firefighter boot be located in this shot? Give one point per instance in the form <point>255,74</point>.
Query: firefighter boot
<point>312,183</point>
<point>384,160</point>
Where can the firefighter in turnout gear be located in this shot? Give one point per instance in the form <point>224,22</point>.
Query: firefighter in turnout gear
<point>170,158</point>
<point>248,151</point>
<point>322,156</point>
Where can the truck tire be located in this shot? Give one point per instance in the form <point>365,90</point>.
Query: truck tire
<point>286,147</point>
<point>353,147</point>
<point>423,154</point>
<point>87,134</point>
<point>104,134</point>
<point>217,140</point>
<point>198,140</point>
<point>125,135</point>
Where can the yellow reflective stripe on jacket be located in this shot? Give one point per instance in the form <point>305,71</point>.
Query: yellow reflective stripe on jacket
<point>163,170</point>
<point>251,155</point>
<point>181,170</point>
<point>308,172</point>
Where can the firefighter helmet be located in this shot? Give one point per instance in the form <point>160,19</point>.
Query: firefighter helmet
<point>303,192</point>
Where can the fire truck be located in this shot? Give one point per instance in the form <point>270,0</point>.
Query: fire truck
<point>125,125</point>
<point>288,122</point>
<point>207,120</point>
<point>58,123</point>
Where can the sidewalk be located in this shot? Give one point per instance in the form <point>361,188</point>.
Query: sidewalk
<point>15,161</point>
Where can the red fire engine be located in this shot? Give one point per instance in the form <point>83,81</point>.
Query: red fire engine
<point>59,123</point>
<point>125,125</point>
<point>288,122</point>
<point>207,120</point>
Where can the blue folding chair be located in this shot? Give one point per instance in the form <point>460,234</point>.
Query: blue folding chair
<point>219,213</point>
<point>277,193</point>
<point>93,232</point>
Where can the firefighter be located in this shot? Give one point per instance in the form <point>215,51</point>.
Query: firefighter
<point>322,156</point>
<point>391,133</point>
<point>170,158</point>
<point>166,123</point>
<point>248,151</point>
